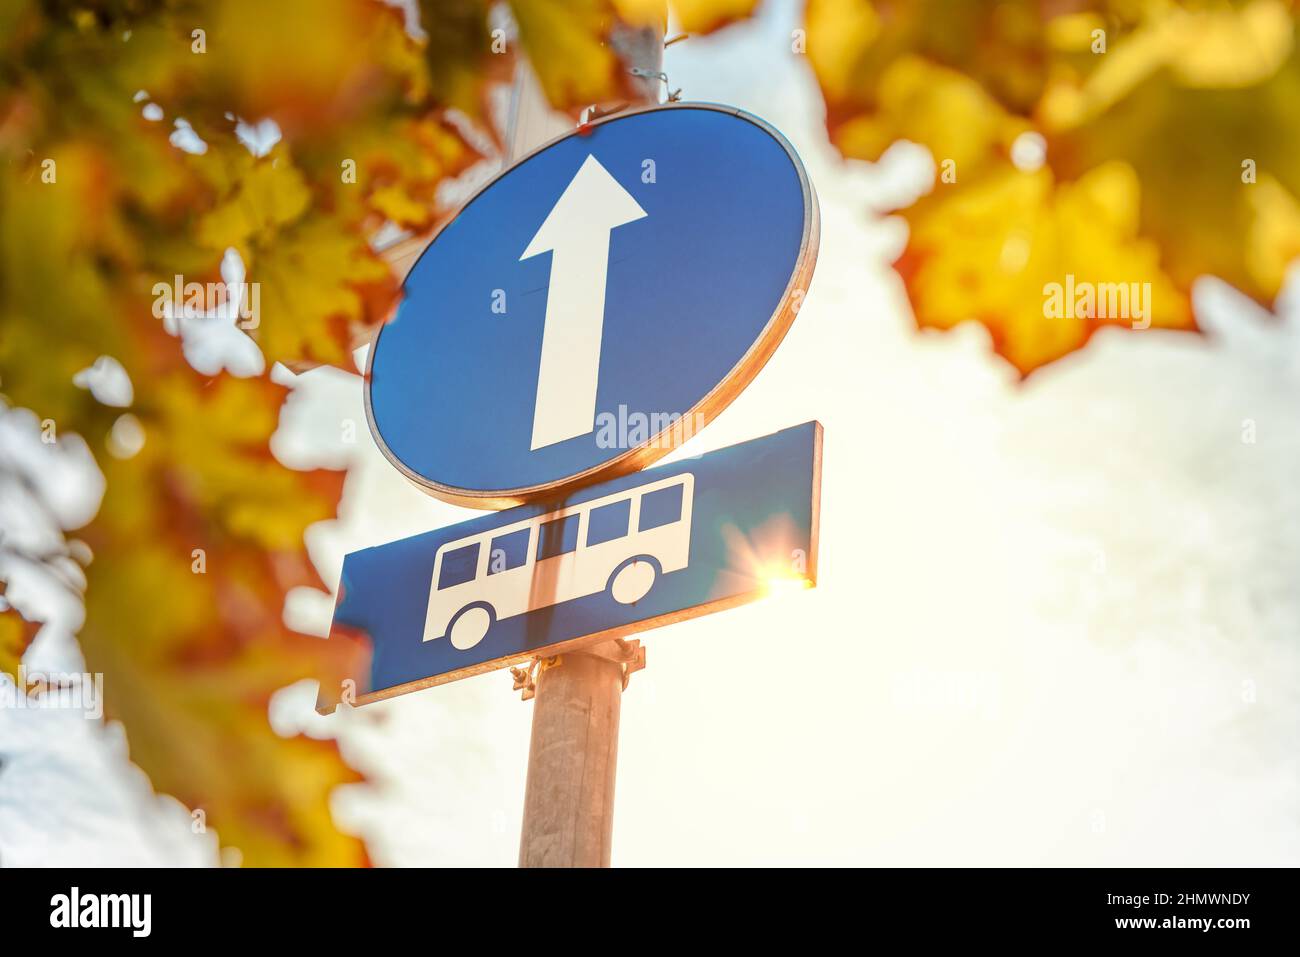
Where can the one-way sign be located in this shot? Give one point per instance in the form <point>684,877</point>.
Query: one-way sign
<point>651,261</point>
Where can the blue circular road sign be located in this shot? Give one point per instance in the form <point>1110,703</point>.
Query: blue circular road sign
<point>594,305</point>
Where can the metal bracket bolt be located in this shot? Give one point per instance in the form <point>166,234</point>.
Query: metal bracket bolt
<point>629,654</point>
<point>673,95</point>
<point>526,676</point>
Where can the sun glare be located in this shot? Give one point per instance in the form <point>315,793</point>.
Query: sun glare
<point>781,582</point>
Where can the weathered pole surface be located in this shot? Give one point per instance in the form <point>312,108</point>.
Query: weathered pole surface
<point>572,759</point>
<point>573,753</point>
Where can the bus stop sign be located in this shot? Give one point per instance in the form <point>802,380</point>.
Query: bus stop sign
<point>594,305</point>
<point>632,553</point>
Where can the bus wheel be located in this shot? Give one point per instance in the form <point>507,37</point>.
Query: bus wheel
<point>469,627</point>
<point>632,581</point>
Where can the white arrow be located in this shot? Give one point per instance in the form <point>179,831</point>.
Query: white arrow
<point>577,232</point>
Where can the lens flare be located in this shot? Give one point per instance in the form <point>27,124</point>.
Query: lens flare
<point>770,557</point>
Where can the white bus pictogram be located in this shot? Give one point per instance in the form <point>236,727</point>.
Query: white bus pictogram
<point>620,542</point>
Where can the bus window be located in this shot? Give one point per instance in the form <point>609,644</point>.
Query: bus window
<point>557,537</point>
<point>609,522</point>
<point>661,507</point>
<point>508,551</point>
<point>459,565</point>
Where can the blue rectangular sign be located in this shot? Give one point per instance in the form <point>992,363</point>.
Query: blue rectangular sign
<point>613,559</point>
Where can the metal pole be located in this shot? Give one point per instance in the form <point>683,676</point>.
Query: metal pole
<point>572,759</point>
<point>573,752</point>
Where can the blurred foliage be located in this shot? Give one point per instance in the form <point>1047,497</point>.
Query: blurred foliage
<point>15,635</point>
<point>1172,131</point>
<point>200,532</point>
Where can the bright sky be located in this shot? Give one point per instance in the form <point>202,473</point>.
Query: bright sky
<point>1055,623</point>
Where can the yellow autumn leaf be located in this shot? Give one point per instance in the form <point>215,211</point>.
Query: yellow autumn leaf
<point>1043,265</point>
<point>567,42</point>
<point>839,34</point>
<point>15,635</point>
<point>460,54</point>
<point>1273,237</point>
<point>270,195</point>
<point>1202,154</point>
<point>852,43</point>
<point>398,172</point>
<point>396,204</point>
<point>705,16</point>
<point>945,110</point>
<point>1213,47</point>
<point>293,313</point>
